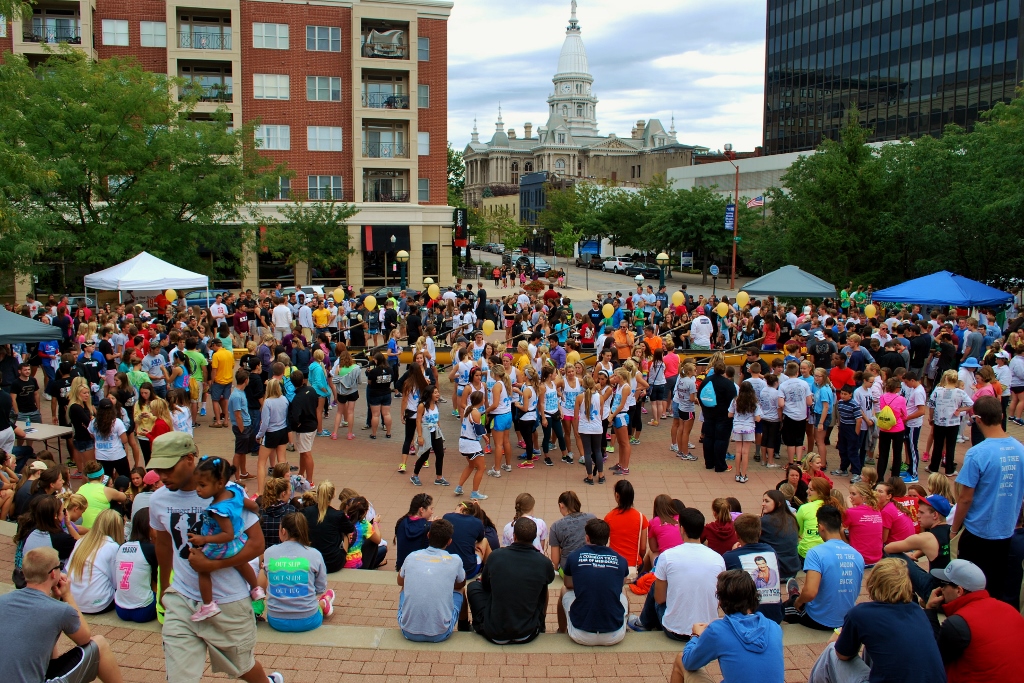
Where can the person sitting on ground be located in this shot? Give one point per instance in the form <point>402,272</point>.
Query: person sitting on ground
<point>719,534</point>
<point>411,528</point>
<point>889,628</point>
<point>510,600</point>
<point>932,543</point>
<point>432,580</point>
<point>469,541</point>
<point>833,572</point>
<point>297,595</point>
<point>135,597</point>
<point>330,529</point>
<point>759,560</point>
<point>747,645</point>
<point>592,608</point>
<point>980,633</point>
<point>91,567</point>
<point>684,587</point>
<point>568,533</point>
<point>47,598</point>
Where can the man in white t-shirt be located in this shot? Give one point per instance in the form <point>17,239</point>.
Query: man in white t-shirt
<point>175,511</point>
<point>686,578</point>
<point>916,398</point>
<point>796,395</point>
<point>701,330</point>
<point>282,317</point>
<point>219,310</point>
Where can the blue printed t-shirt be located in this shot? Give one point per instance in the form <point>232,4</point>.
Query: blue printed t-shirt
<point>238,401</point>
<point>231,509</point>
<point>891,634</point>
<point>993,470</point>
<point>468,531</point>
<point>841,568</point>
<point>823,395</point>
<point>597,574</point>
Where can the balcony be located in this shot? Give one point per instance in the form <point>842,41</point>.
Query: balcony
<point>382,100</point>
<point>385,150</point>
<point>72,35</point>
<point>385,186</point>
<point>201,40</point>
<point>377,195</point>
<point>384,40</point>
<point>208,92</point>
<point>208,82</point>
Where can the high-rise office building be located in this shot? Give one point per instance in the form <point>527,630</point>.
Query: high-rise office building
<point>906,67</point>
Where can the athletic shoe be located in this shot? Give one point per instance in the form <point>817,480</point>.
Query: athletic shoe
<point>738,478</point>
<point>622,472</point>
<point>616,466</point>
<point>904,468</point>
<point>547,461</point>
<point>455,413</point>
<point>730,456</point>
<point>838,473</point>
<point>365,427</point>
<point>908,477</point>
<point>476,495</point>
<point>567,459</point>
<point>257,594</point>
<point>743,479</point>
<point>291,448</point>
<point>609,449</point>
<point>960,439</point>
<point>522,444</point>
<point>634,442</point>
<point>206,611</point>
<point>792,587</point>
<point>674,448</point>
<point>441,482</point>
<point>690,457</point>
<point>487,449</point>
<point>327,607</point>
<point>773,466</point>
<point>757,458</point>
<point>491,472</point>
<point>325,432</point>
<point>507,468</point>
<point>415,480</point>
<point>526,465</point>
<point>401,469</point>
<point>583,460</point>
<point>276,677</point>
<point>458,490</point>
<point>855,479</point>
<point>442,400</point>
<point>202,412</point>
<point>633,622</point>
<point>692,445</point>
<point>728,468</point>
<point>523,456</point>
<point>426,463</point>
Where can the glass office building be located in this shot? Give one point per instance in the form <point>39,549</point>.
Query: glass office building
<point>907,67</point>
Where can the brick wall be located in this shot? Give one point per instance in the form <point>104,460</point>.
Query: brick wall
<point>297,112</point>
<point>434,120</point>
<point>7,43</point>
<point>151,58</point>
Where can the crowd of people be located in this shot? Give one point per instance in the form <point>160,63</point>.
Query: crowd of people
<point>133,387</point>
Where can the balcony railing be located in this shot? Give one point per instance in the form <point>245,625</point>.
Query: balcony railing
<point>381,196</point>
<point>380,100</point>
<point>385,150</point>
<point>204,41</point>
<point>72,36</point>
<point>208,93</point>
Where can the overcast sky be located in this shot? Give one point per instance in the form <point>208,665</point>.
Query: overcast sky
<point>701,59</point>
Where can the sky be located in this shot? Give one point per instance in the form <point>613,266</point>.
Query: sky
<point>702,60</point>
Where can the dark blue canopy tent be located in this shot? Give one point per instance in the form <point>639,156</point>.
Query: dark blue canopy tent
<point>944,289</point>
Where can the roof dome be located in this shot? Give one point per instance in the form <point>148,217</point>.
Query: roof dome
<point>573,58</point>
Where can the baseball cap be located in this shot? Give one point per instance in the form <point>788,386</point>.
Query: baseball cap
<point>1004,355</point>
<point>805,333</point>
<point>106,403</point>
<point>38,466</point>
<point>937,503</point>
<point>151,478</point>
<point>818,334</point>
<point>169,448</point>
<point>89,342</point>
<point>962,573</point>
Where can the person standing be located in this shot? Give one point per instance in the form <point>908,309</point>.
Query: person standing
<point>222,367</point>
<point>155,365</point>
<point>715,397</point>
<point>282,318</point>
<point>303,412</point>
<point>25,391</point>
<point>992,490</point>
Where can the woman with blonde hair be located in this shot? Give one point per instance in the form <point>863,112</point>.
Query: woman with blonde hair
<point>91,569</point>
<point>938,484</point>
<point>346,376</point>
<point>80,414</point>
<point>529,400</point>
<point>499,409</point>
<point>618,417</point>
<point>329,528</point>
<point>945,406</point>
<point>273,432</point>
<point>863,523</point>
<point>162,420</point>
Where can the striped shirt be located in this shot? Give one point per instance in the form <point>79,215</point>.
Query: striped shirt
<point>848,412</point>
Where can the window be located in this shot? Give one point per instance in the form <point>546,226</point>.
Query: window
<point>431,261</point>
<point>323,39</point>
<point>323,89</point>
<point>282,191</point>
<point>561,138</point>
<point>560,165</point>
<point>324,187</point>
<point>423,93</point>
<point>115,31</point>
<point>424,189</point>
<point>270,86</point>
<point>323,138</point>
<point>3,26</point>
<point>423,142</point>
<point>579,110</point>
<point>153,33</point>
<point>274,137</point>
<point>423,45</point>
<point>270,36</point>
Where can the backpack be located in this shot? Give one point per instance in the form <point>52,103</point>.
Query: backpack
<point>707,396</point>
<point>886,419</point>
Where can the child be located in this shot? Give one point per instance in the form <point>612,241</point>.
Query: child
<point>297,483</point>
<point>469,445</point>
<point>685,399</point>
<point>720,535</point>
<point>745,412</point>
<point>299,598</point>
<point>771,420</point>
<point>869,475</point>
<point>222,535</point>
<point>850,426</point>
<point>75,506</point>
<point>865,400</point>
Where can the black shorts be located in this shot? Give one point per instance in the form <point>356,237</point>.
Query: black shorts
<point>793,431</point>
<point>383,400</point>
<point>243,440</point>
<point>1017,390</point>
<point>275,439</point>
<point>683,415</point>
<point>770,433</point>
<point>659,392</point>
<point>348,398</point>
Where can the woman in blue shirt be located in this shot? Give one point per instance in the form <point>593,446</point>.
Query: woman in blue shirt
<point>824,400</point>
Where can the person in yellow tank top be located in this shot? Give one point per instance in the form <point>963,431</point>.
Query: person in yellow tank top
<point>97,494</point>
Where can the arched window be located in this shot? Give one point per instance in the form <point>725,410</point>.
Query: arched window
<point>528,167</point>
<point>579,111</point>
<point>560,165</point>
<point>515,172</point>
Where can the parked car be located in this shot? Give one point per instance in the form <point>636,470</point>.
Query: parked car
<point>199,297</point>
<point>616,264</point>
<point>528,262</point>
<point>649,270</point>
<point>73,300</point>
<point>308,290</point>
<point>499,248</point>
<point>510,257</point>
<point>591,261</point>
<point>382,293</point>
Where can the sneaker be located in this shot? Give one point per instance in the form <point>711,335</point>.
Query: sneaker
<point>757,458</point>
<point>415,480</point>
<point>738,478</point>
<point>904,468</point>
<point>616,466</point>
<point>609,449</point>
<point>487,449</point>
<point>365,427</point>
<point>455,413</point>
<point>567,459</point>
<point>730,456</point>
<point>458,490</point>
<point>259,608</point>
<point>325,432</point>
<point>291,448</point>
<point>476,495</point>
<point>690,457</point>
<point>441,482</point>
<point>691,445</point>
<point>728,468</point>
<point>426,463</point>
<point>277,677</point>
<point>526,465</point>
<point>633,622</point>
<point>634,442</point>
<point>674,448</point>
<point>507,468</point>
<point>442,400</point>
<point>855,479</point>
<point>522,444</point>
<point>622,472</point>
<point>547,461</point>
<point>206,611</point>
<point>772,466</point>
<point>908,477</point>
<point>583,460</point>
<point>257,594</point>
<point>491,472</point>
<point>401,469</point>
<point>839,473</point>
<point>202,412</point>
<point>743,479</point>
<point>792,587</point>
<point>327,607</point>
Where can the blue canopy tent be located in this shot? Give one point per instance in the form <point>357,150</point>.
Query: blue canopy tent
<point>944,289</point>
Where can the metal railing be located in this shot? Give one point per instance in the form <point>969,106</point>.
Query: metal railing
<point>384,50</point>
<point>208,93</point>
<point>71,36</point>
<point>379,100</point>
<point>205,41</point>
<point>385,150</point>
<point>379,196</point>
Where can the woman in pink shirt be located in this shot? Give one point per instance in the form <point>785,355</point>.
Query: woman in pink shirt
<point>985,377</point>
<point>863,523</point>
<point>894,437</point>
<point>896,526</point>
<point>663,532</point>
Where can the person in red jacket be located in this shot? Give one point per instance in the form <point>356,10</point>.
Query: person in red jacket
<point>979,637</point>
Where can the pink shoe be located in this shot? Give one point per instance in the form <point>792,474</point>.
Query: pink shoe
<point>351,436</point>
<point>258,593</point>
<point>206,611</point>
<point>334,437</point>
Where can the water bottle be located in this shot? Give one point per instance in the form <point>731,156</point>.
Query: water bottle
<point>28,423</point>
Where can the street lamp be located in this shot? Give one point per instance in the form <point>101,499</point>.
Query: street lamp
<point>535,250</point>
<point>730,156</point>
<point>403,258</point>
<point>394,240</point>
<point>639,280</point>
<point>427,281</point>
<point>662,260</point>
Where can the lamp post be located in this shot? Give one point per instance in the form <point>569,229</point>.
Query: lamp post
<point>393,241</point>
<point>639,280</point>
<point>403,258</point>
<point>662,260</point>
<point>730,157</point>
<point>535,250</point>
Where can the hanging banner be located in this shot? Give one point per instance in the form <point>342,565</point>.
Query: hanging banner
<point>730,217</point>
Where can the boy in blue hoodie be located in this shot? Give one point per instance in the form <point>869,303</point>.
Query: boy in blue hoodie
<point>747,645</point>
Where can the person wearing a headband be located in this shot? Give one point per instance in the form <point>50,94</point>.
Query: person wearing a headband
<point>97,493</point>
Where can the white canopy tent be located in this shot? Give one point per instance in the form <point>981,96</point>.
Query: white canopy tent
<point>146,272</point>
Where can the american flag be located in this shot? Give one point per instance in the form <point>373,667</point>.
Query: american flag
<point>755,202</point>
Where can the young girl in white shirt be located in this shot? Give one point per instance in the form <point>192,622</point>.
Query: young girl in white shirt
<point>745,411</point>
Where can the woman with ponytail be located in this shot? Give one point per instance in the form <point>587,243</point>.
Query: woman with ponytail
<point>524,508</point>
<point>288,609</point>
<point>819,492</point>
<point>329,528</point>
<point>589,427</point>
<point>274,505</point>
<point>365,550</point>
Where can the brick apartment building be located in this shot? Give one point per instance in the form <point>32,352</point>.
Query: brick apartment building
<point>351,94</point>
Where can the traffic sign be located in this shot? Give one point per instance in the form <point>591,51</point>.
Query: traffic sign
<point>714,271</point>
<point>737,238</point>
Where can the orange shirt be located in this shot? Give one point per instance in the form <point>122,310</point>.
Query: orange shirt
<point>626,528</point>
<point>624,343</point>
<point>654,343</point>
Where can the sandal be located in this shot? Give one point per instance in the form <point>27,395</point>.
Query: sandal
<point>653,423</point>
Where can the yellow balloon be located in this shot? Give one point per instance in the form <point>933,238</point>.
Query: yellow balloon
<point>722,309</point>
<point>171,295</point>
<point>678,298</point>
<point>488,327</point>
<point>370,302</point>
<point>434,291</point>
<point>339,294</point>
<point>870,310</point>
<point>742,299</point>
<point>608,310</point>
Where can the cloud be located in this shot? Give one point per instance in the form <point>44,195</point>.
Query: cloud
<point>701,61</point>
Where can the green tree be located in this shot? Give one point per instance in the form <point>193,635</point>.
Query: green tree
<point>566,238</point>
<point>691,220</point>
<point>105,162</point>
<point>312,232</point>
<point>572,211</point>
<point>456,177</point>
